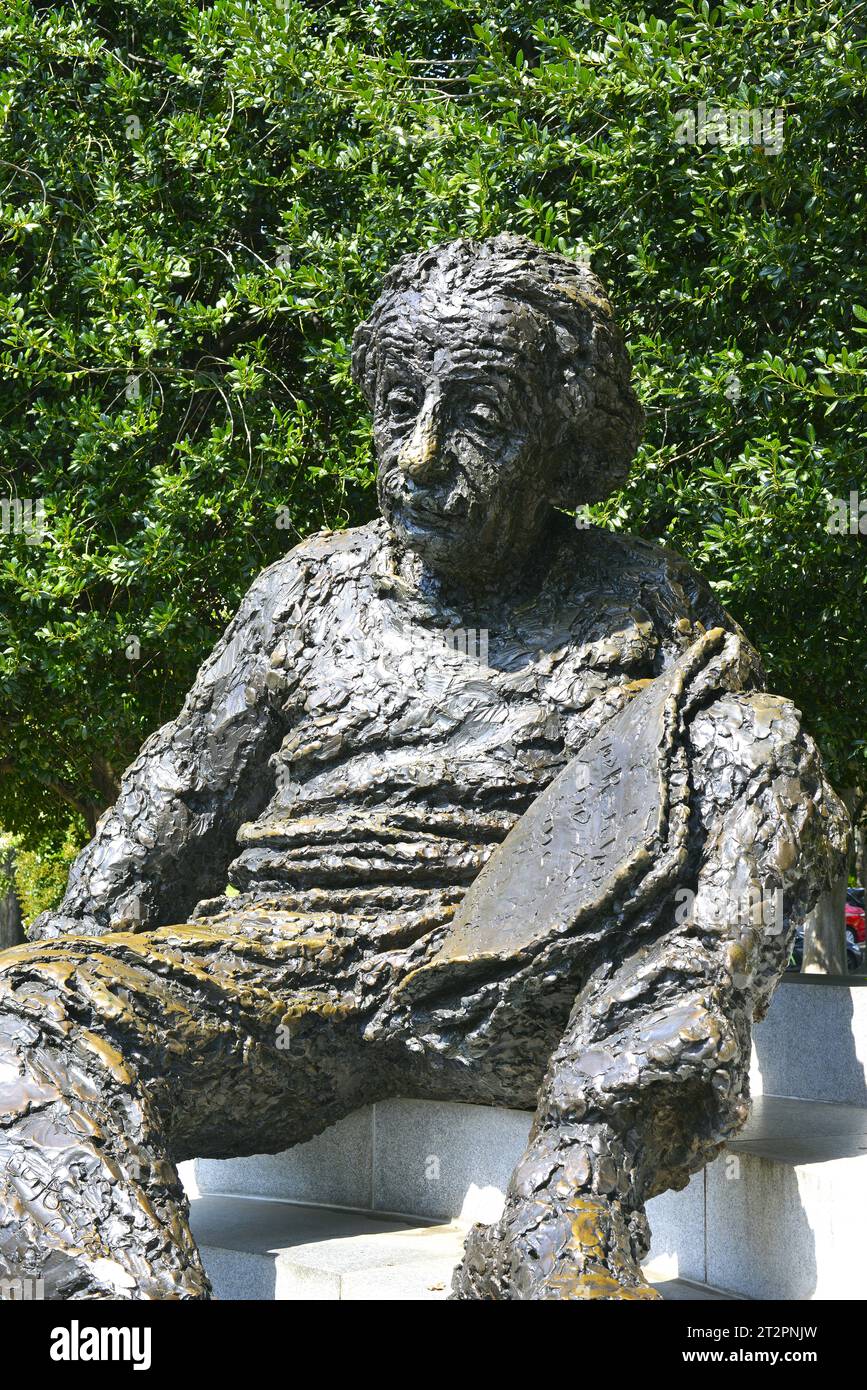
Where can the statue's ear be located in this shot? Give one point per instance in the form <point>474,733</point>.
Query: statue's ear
<point>569,422</point>
<point>363,373</point>
<point>595,422</point>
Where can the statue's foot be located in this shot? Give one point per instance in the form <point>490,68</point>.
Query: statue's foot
<point>581,1248</point>
<point>88,1210</point>
<point>598,1282</point>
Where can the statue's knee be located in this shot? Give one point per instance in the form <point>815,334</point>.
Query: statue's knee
<point>31,982</point>
<point>688,1045</point>
<point>46,1018</point>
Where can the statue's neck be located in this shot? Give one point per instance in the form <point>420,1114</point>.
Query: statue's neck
<point>487,590</point>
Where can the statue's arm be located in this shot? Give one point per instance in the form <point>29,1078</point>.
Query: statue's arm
<point>168,838</point>
<point>775,833</point>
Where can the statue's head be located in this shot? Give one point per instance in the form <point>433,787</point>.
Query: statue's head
<point>499,385</point>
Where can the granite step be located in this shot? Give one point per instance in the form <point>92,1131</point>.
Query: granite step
<point>254,1248</point>
<point>781,1214</point>
<point>260,1249</point>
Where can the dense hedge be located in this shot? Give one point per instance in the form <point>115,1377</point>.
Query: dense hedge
<point>40,873</point>
<point>197,204</point>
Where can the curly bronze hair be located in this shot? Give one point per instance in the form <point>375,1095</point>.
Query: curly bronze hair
<point>581,360</point>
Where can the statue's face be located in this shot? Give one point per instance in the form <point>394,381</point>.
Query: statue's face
<point>460,439</point>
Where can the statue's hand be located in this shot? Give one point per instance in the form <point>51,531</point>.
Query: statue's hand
<point>50,924</point>
<point>128,909</point>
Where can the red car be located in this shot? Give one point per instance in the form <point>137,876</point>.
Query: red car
<point>855,913</point>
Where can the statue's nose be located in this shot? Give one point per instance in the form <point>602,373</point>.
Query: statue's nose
<point>420,456</point>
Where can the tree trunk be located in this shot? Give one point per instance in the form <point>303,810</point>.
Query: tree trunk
<point>11,925</point>
<point>825,933</point>
<point>825,928</point>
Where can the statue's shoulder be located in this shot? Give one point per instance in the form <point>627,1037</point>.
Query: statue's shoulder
<point>654,575</point>
<point>325,553</point>
<point>300,582</point>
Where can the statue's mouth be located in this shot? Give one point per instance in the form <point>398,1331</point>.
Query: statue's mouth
<point>428,512</point>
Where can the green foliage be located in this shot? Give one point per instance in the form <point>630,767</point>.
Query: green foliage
<point>197,205</point>
<point>40,874</point>
<point>7,876</point>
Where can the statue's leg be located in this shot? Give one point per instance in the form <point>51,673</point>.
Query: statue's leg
<point>646,1082</point>
<point>124,1054</point>
<point>651,1074</point>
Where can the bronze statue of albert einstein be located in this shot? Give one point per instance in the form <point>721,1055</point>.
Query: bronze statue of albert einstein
<point>491,791</point>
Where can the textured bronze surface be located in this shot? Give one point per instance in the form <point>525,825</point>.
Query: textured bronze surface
<point>463,767</point>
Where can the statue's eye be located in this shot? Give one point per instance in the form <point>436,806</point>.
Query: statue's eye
<point>402,405</point>
<point>485,420</point>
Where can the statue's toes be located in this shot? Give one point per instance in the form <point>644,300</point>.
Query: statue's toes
<point>593,1282</point>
